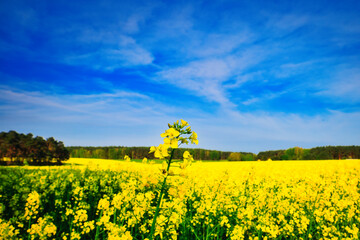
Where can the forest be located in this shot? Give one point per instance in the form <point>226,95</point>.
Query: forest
<point>295,153</point>
<point>317,153</point>
<point>22,149</point>
<point>141,152</point>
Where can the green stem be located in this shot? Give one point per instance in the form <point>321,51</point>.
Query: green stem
<point>160,197</point>
<point>71,223</point>
<point>29,226</point>
<point>98,227</point>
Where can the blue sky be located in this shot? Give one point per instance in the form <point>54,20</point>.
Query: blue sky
<point>246,75</point>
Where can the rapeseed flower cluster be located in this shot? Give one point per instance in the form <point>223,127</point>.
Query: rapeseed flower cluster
<point>127,158</point>
<point>43,229</point>
<point>32,205</point>
<point>188,159</point>
<point>7,231</point>
<point>176,135</point>
<point>173,138</point>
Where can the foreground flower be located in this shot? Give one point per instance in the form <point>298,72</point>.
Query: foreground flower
<point>173,138</point>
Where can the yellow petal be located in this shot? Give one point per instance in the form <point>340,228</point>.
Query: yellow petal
<point>183,123</point>
<point>167,141</point>
<point>157,154</point>
<point>186,154</point>
<point>173,132</point>
<point>152,149</point>
<point>174,143</point>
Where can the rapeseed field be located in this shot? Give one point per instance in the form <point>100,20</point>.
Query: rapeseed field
<point>104,199</point>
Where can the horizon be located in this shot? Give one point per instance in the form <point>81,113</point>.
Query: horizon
<point>246,76</point>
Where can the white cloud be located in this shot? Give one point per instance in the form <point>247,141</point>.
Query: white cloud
<point>291,69</point>
<point>116,94</point>
<point>239,80</point>
<point>31,99</point>
<point>243,59</point>
<point>202,77</point>
<point>91,104</point>
<point>121,51</point>
<point>203,69</point>
<point>216,44</point>
<point>208,77</point>
<point>138,16</point>
<point>177,22</point>
<point>251,101</point>
<point>288,22</point>
<point>344,86</point>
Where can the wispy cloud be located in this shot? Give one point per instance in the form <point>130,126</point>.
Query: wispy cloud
<point>117,94</point>
<point>129,108</point>
<point>287,22</point>
<point>291,69</point>
<point>205,45</point>
<point>202,77</point>
<point>209,77</point>
<point>344,86</point>
<point>106,50</point>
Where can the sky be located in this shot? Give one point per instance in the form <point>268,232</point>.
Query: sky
<point>247,75</point>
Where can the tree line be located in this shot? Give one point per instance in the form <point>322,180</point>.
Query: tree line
<point>21,149</point>
<point>295,153</point>
<point>317,153</point>
<point>119,152</point>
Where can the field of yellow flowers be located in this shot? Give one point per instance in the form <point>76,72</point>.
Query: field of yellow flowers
<point>105,199</point>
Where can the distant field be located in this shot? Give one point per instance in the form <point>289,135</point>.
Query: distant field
<point>112,199</point>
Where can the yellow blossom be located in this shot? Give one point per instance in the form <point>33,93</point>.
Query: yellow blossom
<point>161,151</point>
<point>193,138</point>
<point>173,143</point>
<point>32,205</point>
<point>171,133</point>
<point>43,229</point>
<point>152,149</point>
<point>7,231</point>
<point>183,123</point>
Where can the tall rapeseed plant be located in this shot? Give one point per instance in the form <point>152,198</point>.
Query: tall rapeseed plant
<point>178,133</point>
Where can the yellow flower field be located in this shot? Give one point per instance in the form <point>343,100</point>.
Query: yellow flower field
<point>107,199</point>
